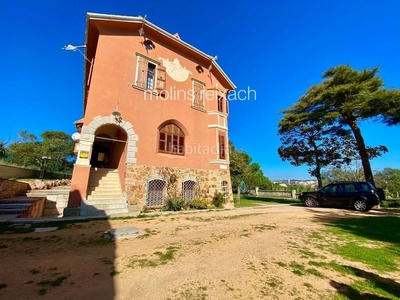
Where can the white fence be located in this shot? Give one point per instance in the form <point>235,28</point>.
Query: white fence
<point>274,194</point>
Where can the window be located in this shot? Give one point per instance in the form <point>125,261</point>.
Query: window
<point>150,75</point>
<point>350,188</point>
<point>330,189</point>
<point>220,103</point>
<point>189,188</point>
<point>224,189</point>
<point>171,140</point>
<point>155,193</point>
<point>221,146</point>
<point>198,95</point>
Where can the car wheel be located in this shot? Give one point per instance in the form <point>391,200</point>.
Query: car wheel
<point>310,202</point>
<point>360,205</point>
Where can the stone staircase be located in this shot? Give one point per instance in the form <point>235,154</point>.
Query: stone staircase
<point>104,195</point>
<point>21,207</point>
<point>56,200</point>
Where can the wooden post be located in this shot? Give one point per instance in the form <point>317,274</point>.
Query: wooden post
<point>238,195</point>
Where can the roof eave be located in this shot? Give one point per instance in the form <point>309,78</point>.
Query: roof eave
<point>107,17</point>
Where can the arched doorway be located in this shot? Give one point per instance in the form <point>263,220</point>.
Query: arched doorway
<point>108,147</point>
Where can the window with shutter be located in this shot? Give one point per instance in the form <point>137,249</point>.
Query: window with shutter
<point>150,75</point>
<point>220,103</point>
<point>198,95</point>
<point>161,78</point>
<point>221,147</point>
<point>141,77</point>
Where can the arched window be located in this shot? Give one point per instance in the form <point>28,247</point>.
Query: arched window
<point>171,140</point>
<point>189,189</point>
<point>155,193</point>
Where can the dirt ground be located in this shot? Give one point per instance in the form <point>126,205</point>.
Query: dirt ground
<point>231,254</point>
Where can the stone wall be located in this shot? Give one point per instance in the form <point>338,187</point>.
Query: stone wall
<point>9,188</point>
<point>7,172</point>
<point>209,182</point>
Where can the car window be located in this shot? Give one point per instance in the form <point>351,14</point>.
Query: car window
<point>330,189</point>
<point>350,188</point>
<point>364,187</point>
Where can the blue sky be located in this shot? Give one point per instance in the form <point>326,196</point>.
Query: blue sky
<point>277,48</point>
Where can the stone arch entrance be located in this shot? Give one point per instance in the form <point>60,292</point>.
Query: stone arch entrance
<point>108,147</point>
<point>94,137</point>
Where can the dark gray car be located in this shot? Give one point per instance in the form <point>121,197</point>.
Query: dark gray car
<point>361,196</point>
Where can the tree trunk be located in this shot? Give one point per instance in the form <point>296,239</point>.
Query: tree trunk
<point>361,150</point>
<point>318,175</point>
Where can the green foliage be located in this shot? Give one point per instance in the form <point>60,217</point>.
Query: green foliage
<point>390,203</point>
<point>3,149</point>
<point>344,97</point>
<point>316,145</point>
<point>218,200</point>
<point>174,204</point>
<point>28,151</point>
<point>198,203</point>
<point>242,169</point>
<point>389,179</point>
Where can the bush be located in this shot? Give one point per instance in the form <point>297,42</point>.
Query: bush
<point>198,203</point>
<point>174,204</point>
<point>218,200</point>
<point>390,203</point>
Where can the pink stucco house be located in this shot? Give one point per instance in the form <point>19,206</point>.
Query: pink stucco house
<point>155,120</point>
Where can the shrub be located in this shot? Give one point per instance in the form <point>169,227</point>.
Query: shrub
<point>174,204</point>
<point>198,203</point>
<point>218,199</point>
<point>390,203</point>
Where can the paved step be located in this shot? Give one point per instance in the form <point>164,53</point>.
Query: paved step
<point>21,206</point>
<point>115,205</point>
<point>104,195</point>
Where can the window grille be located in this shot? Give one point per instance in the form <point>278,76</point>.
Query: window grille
<point>189,190</point>
<point>155,193</point>
<point>224,189</point>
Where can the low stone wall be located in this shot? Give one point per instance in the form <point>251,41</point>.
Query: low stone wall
<point>209,182</point>
<point>7,172</point>
<point>9,188</point>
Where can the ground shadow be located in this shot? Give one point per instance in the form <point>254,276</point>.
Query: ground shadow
<point>352,294</point>
<point>67,258</point>
<point>374,225</point>
<point>378,282</point>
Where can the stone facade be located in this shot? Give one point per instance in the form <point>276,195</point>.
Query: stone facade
<point>209,182</point>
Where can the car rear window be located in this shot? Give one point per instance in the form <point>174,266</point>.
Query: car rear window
<point>365,187</point>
